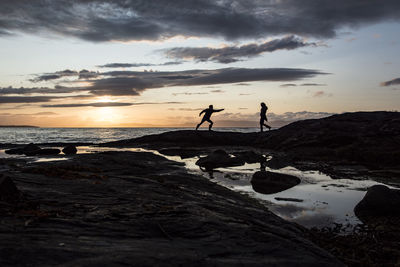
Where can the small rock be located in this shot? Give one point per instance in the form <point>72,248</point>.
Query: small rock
<point>266,182</point>
<point>70,150</point>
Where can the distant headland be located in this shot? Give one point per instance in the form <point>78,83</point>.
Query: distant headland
<point>18,126</point>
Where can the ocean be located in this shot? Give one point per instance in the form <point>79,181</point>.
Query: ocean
<point>25,135</point>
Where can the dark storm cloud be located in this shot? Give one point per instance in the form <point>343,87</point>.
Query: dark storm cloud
<point>106,104</point>
<point>231,54</point>
<point>100,20</point>
<point>131,65</point>
<point>133,83</point>
<point>391,82</point>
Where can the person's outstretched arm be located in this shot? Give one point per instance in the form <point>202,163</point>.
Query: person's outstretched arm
<point>218,110</point>
<point>202,112</point>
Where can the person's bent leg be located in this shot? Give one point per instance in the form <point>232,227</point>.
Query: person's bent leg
<point>198,125</point>
<point>211,125</point>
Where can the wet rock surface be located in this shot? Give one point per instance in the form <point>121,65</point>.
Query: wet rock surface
<point>219,158</point>
<point>266,182</point>
<point>136,208</point>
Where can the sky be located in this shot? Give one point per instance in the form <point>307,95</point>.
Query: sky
<point>157,63</point>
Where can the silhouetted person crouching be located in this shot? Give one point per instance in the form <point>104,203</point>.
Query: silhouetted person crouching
<point>263,117</point>
<point>208,112</point>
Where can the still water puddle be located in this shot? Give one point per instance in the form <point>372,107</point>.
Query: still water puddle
<point>318,201</point>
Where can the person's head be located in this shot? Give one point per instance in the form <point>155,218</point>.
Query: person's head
<point>262,104</point>
<point>210,107</point>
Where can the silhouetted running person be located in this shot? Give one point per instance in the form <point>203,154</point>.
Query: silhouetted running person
<point>208,112</point>
<point>263,117</point>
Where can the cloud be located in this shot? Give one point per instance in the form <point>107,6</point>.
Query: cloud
<point>130,65</point>
<point>25,99</point>
<point>126,20</point>
<point>83,74</point>
<point>303,84</point>
<point>24,114</point>
<point>106,104</point>
<point>288,85</point>
<point>190,93</point>
<point>217,91</point>
<point>186,109</point>
<point>231,54</point>
<point>321,94</point>
<point>391,82</point>
<point>312,84</point>
<point>242,84</point>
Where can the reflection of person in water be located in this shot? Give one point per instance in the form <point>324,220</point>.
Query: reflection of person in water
<point>207,114</point>
<point>263,117</point>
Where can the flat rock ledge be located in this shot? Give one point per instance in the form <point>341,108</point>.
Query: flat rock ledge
<point>140,209</point>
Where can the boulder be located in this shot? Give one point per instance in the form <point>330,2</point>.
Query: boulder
<point>70,150</point>
<point>15,151</point>
<point>266,182</point>
<point>217,159</point>
<point>30,149</point>
<point>8,191</point>
<point>379,201</point>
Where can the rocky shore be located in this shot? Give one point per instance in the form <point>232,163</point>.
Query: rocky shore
<point>138,208</point>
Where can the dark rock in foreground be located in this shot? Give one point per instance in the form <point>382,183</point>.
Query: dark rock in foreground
<point>219,158</point>
<point>379,201</point>
<point>127,208</point>
<point>265,182</point>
